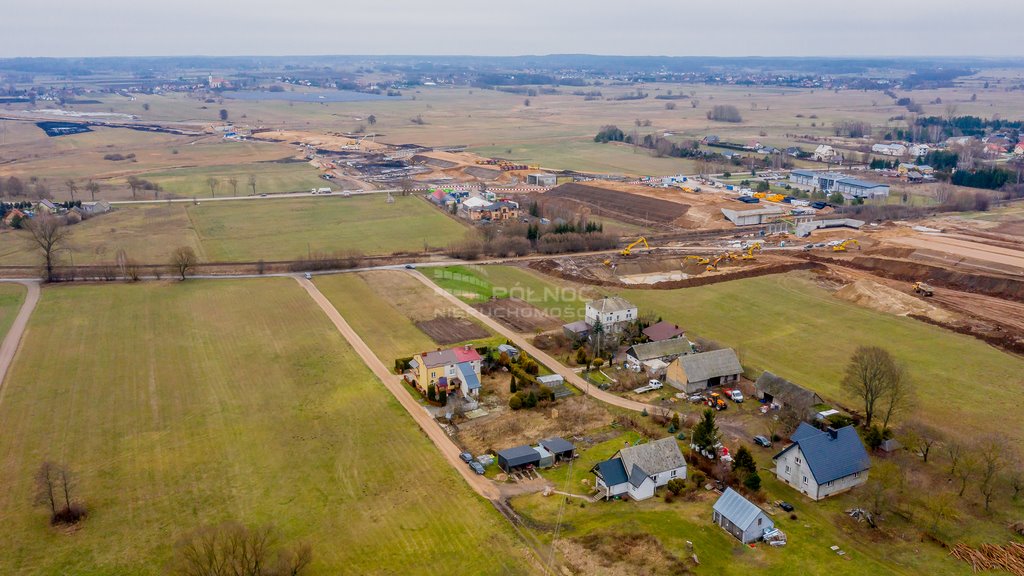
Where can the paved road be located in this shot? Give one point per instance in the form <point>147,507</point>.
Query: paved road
<point>392,382</point>
<point>9,347</point>
<point>524,344</point>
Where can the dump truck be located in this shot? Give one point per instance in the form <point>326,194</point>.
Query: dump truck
<point>923,289</point>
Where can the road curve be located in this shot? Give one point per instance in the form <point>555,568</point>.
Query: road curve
<point>392,382</point>
<point>540,355</point>
<point>9,347</point>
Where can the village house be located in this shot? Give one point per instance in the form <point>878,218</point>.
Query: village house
<point>783,394</point>
<point>820,463</point>
<point>614,314</point>
<point>637,471</point>
<point>1019,148</point>
<point>694,373</point>
<point>11,216</point>
<point>894,149</point>
<point>448,370</point>
<point>826,153</point>
<point>654,357</point>
<point>740,517</point>
<point>491,211</point>
<point>663,330</point>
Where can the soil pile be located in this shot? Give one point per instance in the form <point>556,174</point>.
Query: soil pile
<point>891,301</point>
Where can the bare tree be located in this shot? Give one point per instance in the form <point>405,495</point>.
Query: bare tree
<point>921,438</point>
<point>990,466</point>
<point>183,259</point>
<point>54,487</point>
<point>134,183</point>
<point>50,234</point>
<point>954,451</point>
<point>951,110</point>
<point>72,188</point>
<point>212,183</point>
<point>966,469</point>
<point>233,182</point>
<point>407,186</point>
<point>1014,474</point>
<point>940,507</point>
<point>232,549</point>
<point>900,394</point>
<point>873,376</point>
<point>93,188</point>
<point>252,183</point>
<point>46,486</point>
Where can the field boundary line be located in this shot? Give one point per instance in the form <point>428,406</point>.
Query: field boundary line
<point>12,342</point>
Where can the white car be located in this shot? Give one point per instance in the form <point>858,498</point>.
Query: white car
<point>736,395</point>
<point>309,276</point>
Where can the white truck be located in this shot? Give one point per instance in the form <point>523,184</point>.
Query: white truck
<point>320,191</point>
<point>651,385</point>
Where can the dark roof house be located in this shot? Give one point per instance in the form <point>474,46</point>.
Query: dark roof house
<point>774,389</point>
<point>663,331</point>
<point>820,463</point>
<point>560,447</point>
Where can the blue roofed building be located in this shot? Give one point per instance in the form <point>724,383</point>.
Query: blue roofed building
<point>637,471</point>
<point>820,463</point>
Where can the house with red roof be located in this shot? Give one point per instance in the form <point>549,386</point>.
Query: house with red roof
<point>454,369</point>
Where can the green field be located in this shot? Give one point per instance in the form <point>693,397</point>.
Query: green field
<point>292,228</point>
<point>475,284</point>
<point>183,404</point>
<point>271,177</point>
<point>792,327</point>
<point>11,297</point>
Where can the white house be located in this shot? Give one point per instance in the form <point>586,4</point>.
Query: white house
<point>820,463</point>
<point>893,149</point>
<point>919,149</point>
<point>637,471</point>
<point>613,312</point>
<point>826,153</point>
<point>740,517</point>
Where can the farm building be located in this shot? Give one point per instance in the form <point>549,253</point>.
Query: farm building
<point>541,179</point>
<point>639,470</point>
<point>820,463</point>
<point>893,149</point>
<point>752,216</point>
<point>614,313</point>
<point>826,153</point>
<point>448,370</point>
<point>509,349</point>
<point>576,331</point>
<point>663,330</point>
<point>696,372</point>
<point>772,389</point>
<point>560,448</point>
<point>12,215</point>
<point>655,356</point>
<point>511,459</point>
<point>740,517</point>
<point>547,459</point>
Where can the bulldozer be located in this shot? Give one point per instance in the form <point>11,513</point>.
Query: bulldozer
<point>841,247</point>
<point>629,249</point>
<point>923,289</point>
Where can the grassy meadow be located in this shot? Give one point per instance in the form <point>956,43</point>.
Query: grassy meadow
<point>184,404</point>
<point>11,297</point>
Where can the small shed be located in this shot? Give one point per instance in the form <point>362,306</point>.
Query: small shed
<point>740,517</point>
<point>512,351</point>
<point>576,331</point>
<point>550,380</point>
<point>547,459</point>
<point>512,459</point>
<point>560,448</point>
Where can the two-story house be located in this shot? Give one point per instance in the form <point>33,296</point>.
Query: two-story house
<point>613,313</point>
<point>448,370</point>
<point>820,463</point>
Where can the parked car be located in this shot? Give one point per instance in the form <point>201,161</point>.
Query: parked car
<point>410,266</point>
<point>466,457</point>
<point>477,467</point>
<point>763,441</point>
<point>308,276</point>
<point>735,395</point>
<point>786,506</point>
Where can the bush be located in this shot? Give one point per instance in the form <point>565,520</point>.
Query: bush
<point>442,398</point>
<point>752,482</point>
<point>432,393</point>
<point>724,113</point>
<point>698,478</point>
<point>512,385</point>
<point>545,393</point>
<point>531,400</point>
<point>515,402</point>
<point>676,486</point>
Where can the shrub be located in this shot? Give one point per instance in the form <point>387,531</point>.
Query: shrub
<point>442,398</point>
<point>752,482</point>
<point>724,113</point>
<point>676,486</point>
<point>531,400</point>
<point>698,478</point>
<point>545,393</point>
<point>644,412</point>
<point>515,402</point>
<point>432,393</point>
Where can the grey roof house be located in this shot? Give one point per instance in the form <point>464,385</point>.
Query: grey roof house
<point>637,471</point>
<point>740,517</point>
<point>773,389</point>
<point>696,372</point>
<point>820,463</point>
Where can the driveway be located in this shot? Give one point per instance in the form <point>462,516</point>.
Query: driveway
<point>9,347</point>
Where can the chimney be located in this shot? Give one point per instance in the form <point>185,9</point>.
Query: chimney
<point>832,433</point>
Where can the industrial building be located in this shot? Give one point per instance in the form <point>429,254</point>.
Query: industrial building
<point>830,182</point>
<point>752,216</point>
<point>541,179</point>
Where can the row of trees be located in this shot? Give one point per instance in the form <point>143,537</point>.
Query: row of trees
<point>14,187</point>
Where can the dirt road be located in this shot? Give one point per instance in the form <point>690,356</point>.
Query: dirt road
<point>392,382</point>
<point>9,347</point>
<point>523,344</point>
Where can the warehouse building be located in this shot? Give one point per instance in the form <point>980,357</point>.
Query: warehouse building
<point>830,182</point>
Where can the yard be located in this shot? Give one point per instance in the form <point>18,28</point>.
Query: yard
<point>11,297</point>
<point>293,228</point>
<point>184,404</point>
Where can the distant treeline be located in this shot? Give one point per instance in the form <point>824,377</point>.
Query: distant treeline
<point>969,125</point>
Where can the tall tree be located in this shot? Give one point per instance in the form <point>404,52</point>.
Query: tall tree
<point>93,188</point>
<point>233,182</point>
<point>991,461</point>
<point>134,183</point>
<point>252,183</point>
<point>705,432</point>
<point>183,259</point>
<point>212,183</point>
<point>223,115</point>
<point>72,188</point>
<point>49,234</point>
<point>873,376</point>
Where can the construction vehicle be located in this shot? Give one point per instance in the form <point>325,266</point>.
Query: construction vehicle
<point>841,247</point>
<point>699,259</point>
<point>714,263</point>
<point>775,197</point>
<point>923,289</point>
<point>629,249</point>
<point>749,253</point>
<point>714,400</point>
<point>759,195</point>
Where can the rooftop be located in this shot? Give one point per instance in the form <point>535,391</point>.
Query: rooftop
<point>610,304</point>
<point>737,509</point>
<point>711,364</point>
<point>662,331</point>
<point>831,454</point>
<point>651,350</point>
<point>450,356</point>
<point>653,457</point>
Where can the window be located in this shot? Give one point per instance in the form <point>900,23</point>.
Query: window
<point>759,521</point>
<point>673,475</point>
<point>805,479</point>
<point>797,460</point>
<point>787,469</point>
<point>829,483</point>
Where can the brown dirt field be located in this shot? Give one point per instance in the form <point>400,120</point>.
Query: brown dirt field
<point>518,315</point>
<point>447,330</point>
<point>890,301</point>
<point>318,140</point>
<point>482,173</point>
<point>614,554</point>
<point>966,248</point>
<point>623,205</point>
<point>435,162</point>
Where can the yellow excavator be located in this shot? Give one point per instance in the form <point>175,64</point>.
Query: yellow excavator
<point>714,263</point>
<point>699,259</point>
<point>629,249</point>
<point>748,254</point>
<point>841,247</point>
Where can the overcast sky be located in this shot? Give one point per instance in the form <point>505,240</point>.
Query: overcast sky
<point>513,27</point>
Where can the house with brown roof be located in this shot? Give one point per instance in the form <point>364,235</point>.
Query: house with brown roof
<point>663,330</point>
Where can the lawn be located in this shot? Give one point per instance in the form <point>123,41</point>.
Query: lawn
<point>790,326</point>
<point>291,228</point>
<point>817,527</point>
<point>184,404</point>
<point>11,297</point>
<point>271,176</point>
